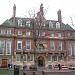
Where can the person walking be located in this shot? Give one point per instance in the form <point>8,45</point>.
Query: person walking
<point>59,66</point>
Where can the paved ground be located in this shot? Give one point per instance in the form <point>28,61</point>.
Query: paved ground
<point>51,72</point>
<point>59,72</point>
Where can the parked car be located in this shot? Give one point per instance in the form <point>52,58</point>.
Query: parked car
<point>64,67</point>
<point>72,67</point>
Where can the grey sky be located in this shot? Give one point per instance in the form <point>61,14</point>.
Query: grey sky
<point>23,6</point>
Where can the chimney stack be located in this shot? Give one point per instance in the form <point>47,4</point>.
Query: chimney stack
<point>41,9</point>
<point>59,17</point>
<point>14,12</point>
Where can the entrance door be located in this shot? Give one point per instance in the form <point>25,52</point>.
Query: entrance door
<point>4,63</point>
<point>41,61</point>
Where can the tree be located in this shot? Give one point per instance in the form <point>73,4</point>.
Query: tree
<point>38,22</point>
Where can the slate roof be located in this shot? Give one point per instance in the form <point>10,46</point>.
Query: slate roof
<point>9,22</point>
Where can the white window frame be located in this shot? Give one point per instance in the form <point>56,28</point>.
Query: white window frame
<point>52,43</point>
<point>28,33</point>
<point>49,56</point>
<point>28,45</point>
<point>50,24</point>
<point>60,45</point>
<point>32,57</point>
<point>3,31</point>
<point>25,56</point>
<point>74,47</point>
<point>69,48</point>
<point>52,35</point>
<point>59,35</point>
<point>2,48</point>
<point>57,25</point>
<point>19,41</point>
<point>8,31</point>
<point>18,56</point>
<point>55,57</point>
<point>20,22</point>
<point>8,41</point>
<point>62,57</point>
<point>19,32</point>
<point>68,35</point>
<point>28,23</point>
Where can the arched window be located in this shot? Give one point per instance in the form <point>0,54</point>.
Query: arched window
<point>57,25</point>
<point>19,22</point>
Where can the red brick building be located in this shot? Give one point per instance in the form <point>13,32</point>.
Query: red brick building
<point>48,42</point>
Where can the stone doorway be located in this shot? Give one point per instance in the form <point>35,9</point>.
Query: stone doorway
<point>41,61</point>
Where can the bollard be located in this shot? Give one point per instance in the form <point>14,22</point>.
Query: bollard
<point>33,73</point>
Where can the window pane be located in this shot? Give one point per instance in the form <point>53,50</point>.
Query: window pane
<point>59,34</point>
<point>59,45</point>
<point>28,24</point>
<point>28,33</point>
<point>62,57</point>
<point>25,57</point>
<point>19,44</point>
<point>8,31</point>
<point>31,57</point>
<point>70,48</point>
<point>27,44</point>
<point>8,47</point>
<point>3,31</point>
<point>52,45</point>
<point>1,46</point>
<point>18,57</point>
<point>19,22</point>
<point>55,58</point>
<point>19,32</point>
<point>49,57</point>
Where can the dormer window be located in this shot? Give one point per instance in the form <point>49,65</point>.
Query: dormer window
<point>19,22</point>
<point>57,25</point>
<point>50,24</point>
<point>28,23</point>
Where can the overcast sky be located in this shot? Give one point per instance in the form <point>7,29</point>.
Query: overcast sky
<point>23,6</point>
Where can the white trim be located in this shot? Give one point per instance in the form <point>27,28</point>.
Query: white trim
<point>32,58</point>
<point>26,44</point>
<point>8,41</point>
<point>51,58</point>
<point>26,57</point>
<point>19,57</point>
<point>19,32</point>
<point>19,41</point>
<point>3,47</point>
